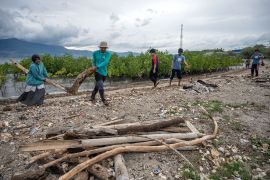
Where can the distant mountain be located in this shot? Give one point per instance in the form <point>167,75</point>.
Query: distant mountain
<point>15,48</point>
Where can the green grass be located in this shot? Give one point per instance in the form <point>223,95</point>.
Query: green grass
<point>229,170</point>
<point>212,107</point>
<point>189,173</point>
<point>235,124</point>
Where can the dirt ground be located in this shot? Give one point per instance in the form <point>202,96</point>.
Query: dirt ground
<point>240,104</point>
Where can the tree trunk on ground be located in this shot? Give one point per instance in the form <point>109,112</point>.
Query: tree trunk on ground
<point>120,168</point>
<point>78,81</point>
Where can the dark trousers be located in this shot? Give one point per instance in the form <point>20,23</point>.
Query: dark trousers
<point>177,72</point>
<point>99,86</point>
<point>153,76</point>
<point>255,67</point>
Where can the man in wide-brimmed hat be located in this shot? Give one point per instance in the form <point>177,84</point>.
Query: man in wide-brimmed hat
<point>100,63</point>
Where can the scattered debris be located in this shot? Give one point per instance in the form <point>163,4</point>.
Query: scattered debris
<point>200,87</point>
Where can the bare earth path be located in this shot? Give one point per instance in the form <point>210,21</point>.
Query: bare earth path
<point>241,105</point>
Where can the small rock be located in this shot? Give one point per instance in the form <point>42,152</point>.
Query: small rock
<point>7,108</point>
<point>221,149</point>
<point>5,137</point>
<point>243,141</point>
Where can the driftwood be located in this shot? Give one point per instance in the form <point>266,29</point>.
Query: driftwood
<point>85,143</point>
<point>51,82</point>
<point>132,139</point>
<point>50,145</point>
<point>120,168</point>
<point>78,81</point>
<point>44,155</point>
<point>151,127</point>
<point>107,148</point>
<point>99,171</point>
<point>119,150</point>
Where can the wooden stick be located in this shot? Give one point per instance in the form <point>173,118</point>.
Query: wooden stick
<point>120,168</point>
<point>44,155</point>
<point>119,150</point>
<point>107,148</point>
<point>191,127</point>
<point>51,82</point>
<point>130,139</point>
<point>177,152</point>
<point>151,127</point>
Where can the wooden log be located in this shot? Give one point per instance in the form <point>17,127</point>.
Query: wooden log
<point>48,81</point>
<point>120,168</point>
<point>151,127</point>
<point>79,80</point>
<point>132,139</point>
<point>82,176</point>
<point>176,129</point>
<point>44,155</point>
<point>107,148</point>
<point>99,171</point>
<point>119,150</point>
<point>50,145</point>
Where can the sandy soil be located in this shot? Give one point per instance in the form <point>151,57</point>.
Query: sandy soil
<point>243,114</point>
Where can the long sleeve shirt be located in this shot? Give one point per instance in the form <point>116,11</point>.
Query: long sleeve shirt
<point>36,75</point>
<point>101,61</point>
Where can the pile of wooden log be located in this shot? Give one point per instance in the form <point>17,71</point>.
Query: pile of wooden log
<point>77,153</point>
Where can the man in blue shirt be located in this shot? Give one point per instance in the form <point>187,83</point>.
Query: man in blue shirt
<point>101,59</point>
<point>256,58</point>
<point>177,62</point>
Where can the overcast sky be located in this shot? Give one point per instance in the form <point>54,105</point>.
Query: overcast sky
<point>130,25</point>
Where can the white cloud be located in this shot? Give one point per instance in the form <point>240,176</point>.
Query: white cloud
<point>137,25</point>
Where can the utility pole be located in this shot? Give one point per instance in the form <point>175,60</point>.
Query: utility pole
<point>181,37</point>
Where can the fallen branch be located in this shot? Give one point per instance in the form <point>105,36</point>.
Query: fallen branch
<point>78,81</point>
<point>120,168</point>
<point>44,155</point>
<point>177,152</point>
<point>151,127</point>
<point>107,148</point>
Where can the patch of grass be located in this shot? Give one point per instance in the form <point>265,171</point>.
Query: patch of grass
<point>211,106</point>
<point>218,142</point>
<point>235,125</point>
<point>259,143</point>
<point>232,169</point>
<point>189,173</point>
<point>238,105</point>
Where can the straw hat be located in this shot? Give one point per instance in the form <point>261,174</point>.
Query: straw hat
<point>103,44</point>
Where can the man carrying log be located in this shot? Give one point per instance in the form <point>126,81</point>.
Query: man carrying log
<point>100,63</point>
